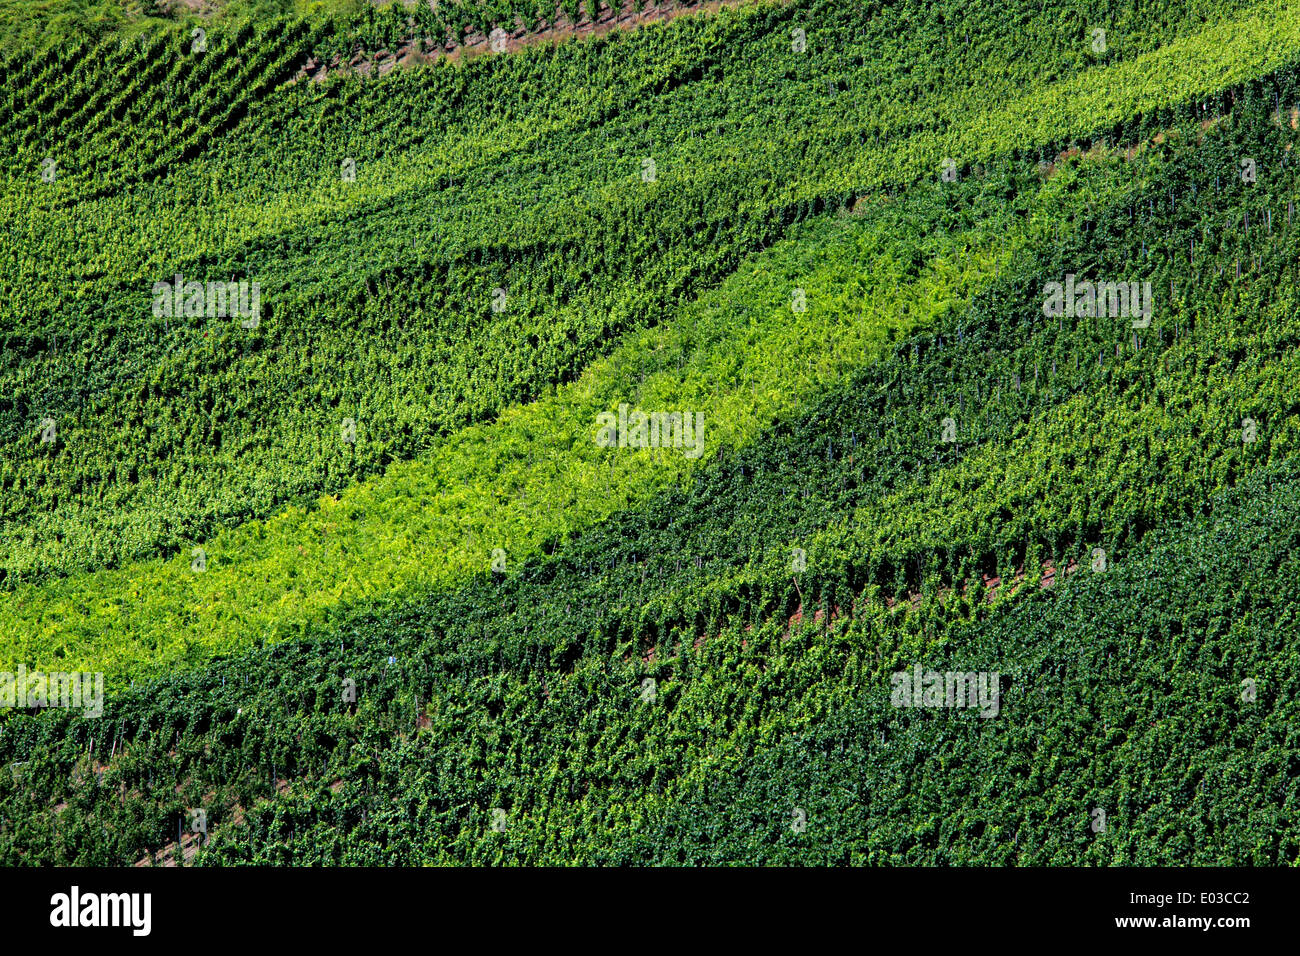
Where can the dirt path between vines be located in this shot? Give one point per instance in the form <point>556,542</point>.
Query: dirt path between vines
<point>622,15</point>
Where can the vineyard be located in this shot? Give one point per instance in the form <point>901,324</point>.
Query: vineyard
<point>366,587</point>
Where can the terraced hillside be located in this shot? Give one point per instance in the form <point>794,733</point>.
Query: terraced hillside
<point>368,584</point>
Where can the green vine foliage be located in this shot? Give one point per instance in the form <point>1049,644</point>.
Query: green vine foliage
<point>679,662</point>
